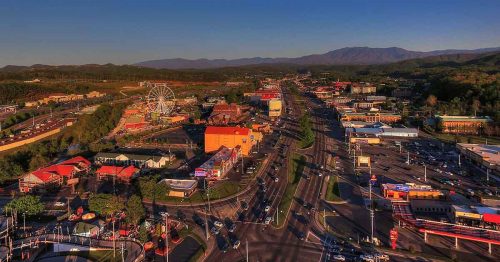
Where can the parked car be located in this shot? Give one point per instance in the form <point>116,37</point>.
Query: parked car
<point>267,208</point>
<point>268,220</point>
<point>218,224</point>
<point>339,258</point>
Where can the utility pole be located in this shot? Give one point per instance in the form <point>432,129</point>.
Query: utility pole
<point>487,175</point>
<point>247,248</point>
<point>425,172</point>
<point>372,215</point>
<point>166,233</point>
<point>408,158</point>
<point>400,148</point>
<point>354,159</point>
<point>206,226</point>
<point>24,223</point>
<point>114,238</point>
<point>459,160</point>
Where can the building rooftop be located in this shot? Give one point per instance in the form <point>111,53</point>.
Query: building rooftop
<point>464,118</point>
<point>227,130</point>
<point>180,184</point>
<point>489,153</point>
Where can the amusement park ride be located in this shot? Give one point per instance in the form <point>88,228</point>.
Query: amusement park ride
<point>161,100</point>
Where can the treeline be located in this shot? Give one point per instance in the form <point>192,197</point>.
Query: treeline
<point>14,92</point>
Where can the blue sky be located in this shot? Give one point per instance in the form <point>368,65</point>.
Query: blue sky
<point>102,31</point>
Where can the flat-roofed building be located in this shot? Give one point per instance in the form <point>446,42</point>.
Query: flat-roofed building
<point>231,137</point>
<point>219,164</point>
<point>141,161</point>
<point>370,117</point>
<point>462,124</point>
<point>410,191</point>
<point>487,157</point>
<point>180,187</point>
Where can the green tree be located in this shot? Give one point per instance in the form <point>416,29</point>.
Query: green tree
<point>105,204</point>
<point>143,234</point>
<point>135,210</point>
<point>31,205</point>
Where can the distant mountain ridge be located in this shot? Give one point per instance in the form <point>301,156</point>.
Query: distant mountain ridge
<point>343,56</point>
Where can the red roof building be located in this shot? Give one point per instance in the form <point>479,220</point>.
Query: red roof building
<point>224,114</point>
<point>122,174</point>
<point>53,176</point>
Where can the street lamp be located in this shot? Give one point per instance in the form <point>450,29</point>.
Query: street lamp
<point>166,232</point>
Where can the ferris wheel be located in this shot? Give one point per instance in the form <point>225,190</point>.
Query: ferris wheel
<point>160,100</point>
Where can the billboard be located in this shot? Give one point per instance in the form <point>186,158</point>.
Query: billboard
<point>200,172</point>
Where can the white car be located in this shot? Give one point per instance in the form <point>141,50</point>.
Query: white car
<point>218,224</point>
<point>276,179</point>
<point>380,256</point>
<point>59,204</point>
<point>236,244</point>
<point>367,258</point>
<point>267,208</point>
<point>339,258</point>
<point>268,220</point>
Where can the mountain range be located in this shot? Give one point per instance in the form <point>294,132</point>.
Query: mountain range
<point>343,56</point>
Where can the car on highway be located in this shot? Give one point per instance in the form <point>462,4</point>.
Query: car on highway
<point>267,208</point>
<point>301,236</point>
<point>339,258</point>
<point>215,230</point>
<point>488,192</point>
<point>367,258</point>
<point>218,224</point>
<point>380,256</point>
<point>236,244</point>
<point>59,204</point>
<point>244,205</point>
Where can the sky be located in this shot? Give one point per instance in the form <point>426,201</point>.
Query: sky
<point>123,32</point>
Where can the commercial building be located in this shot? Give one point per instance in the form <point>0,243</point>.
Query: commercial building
<point>51,177</point>
<point>362,138</point>
<point>219,164</point>
<point>461,124</point>
<point>383,132</point>
<point>62,98</point>
<point>119,173</point>
<point>274,107</point>
<point>364,89</point>
<point>371,117</point>
<point>410,191</point>
<point>231,137</point>
<point>141,161</point>
<point>223,114</point>
<point>487,157</point>
<point>180,187</point>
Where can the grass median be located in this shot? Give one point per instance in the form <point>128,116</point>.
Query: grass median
<point>333,191</point>
<point>297,164</point>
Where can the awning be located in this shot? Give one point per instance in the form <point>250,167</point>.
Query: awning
<point>491,218</point>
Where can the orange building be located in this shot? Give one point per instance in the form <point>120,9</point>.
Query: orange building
<point>462,124</point>
<point>231,137</point>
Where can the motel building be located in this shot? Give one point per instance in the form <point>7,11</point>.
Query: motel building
<point>54,176</point>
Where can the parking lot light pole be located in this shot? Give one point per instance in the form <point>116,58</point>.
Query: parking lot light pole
<point>166,232</point>
<point>408,158</point>
<point>459,161</point>
<point>425,172</point>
